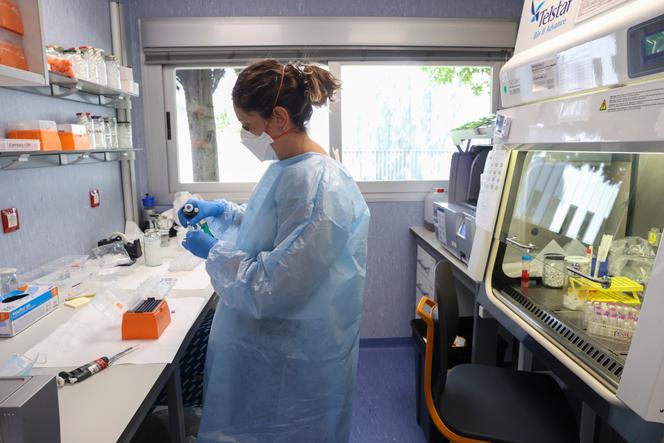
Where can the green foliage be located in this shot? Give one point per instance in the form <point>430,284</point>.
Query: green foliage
<point>477,78</point>
<point>222,121</point>
<point>484,121</point>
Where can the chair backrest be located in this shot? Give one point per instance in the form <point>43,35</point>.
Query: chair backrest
<point>447,320</point>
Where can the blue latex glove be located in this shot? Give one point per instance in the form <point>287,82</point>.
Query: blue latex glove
<point>205,209</point>
<point>199,243</point>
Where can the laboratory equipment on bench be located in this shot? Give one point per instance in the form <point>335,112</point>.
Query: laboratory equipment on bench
<point>152,244</point>
<point>88,370</point>
<point>29,410</point>
<point>585,154</point>
<point>464,223</point>
<point>8,280</point>
<point>190,210</point>
<point>147,320</point>
<point>435,195</point>
<point>133,248</point>
<point>22,308</point>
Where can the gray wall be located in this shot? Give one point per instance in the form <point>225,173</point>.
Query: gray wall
<point>53,203</point>
<point>389,296</point>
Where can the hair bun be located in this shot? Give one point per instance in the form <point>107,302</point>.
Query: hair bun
<point>319,84</point>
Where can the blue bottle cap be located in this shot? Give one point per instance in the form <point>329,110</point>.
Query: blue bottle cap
<point>148,201</point>
<point>526,257</point>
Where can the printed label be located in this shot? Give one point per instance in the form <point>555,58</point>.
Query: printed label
<point>545,75</point>
<point>590,8</point>
<point>631,101</point>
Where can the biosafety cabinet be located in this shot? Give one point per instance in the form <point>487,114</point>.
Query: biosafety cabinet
<point>576,259</point>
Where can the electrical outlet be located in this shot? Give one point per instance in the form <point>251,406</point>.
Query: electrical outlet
<point>10,222</point>
<point>95,199</point>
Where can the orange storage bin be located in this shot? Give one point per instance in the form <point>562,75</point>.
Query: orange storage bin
<point>73,137</point>
<point>12,55</point>
<point>43,130</point>
<point>10,17</point>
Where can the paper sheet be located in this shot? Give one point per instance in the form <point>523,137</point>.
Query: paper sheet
<point>89,335</point>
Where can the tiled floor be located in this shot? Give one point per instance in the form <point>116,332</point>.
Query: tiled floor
<point>384,399</point>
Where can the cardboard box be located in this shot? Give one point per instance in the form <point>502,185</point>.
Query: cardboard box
<point>18,315</point>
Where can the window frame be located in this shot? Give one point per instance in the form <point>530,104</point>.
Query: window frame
<point>167,42</point>
<point>377,191</point>
<point>399,190</point>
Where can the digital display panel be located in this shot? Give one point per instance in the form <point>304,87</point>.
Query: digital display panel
<point>653,44</point>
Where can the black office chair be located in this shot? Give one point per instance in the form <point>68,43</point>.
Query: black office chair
<point>480,403</point>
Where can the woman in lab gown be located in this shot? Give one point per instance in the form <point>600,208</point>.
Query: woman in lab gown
<point>289,268</point>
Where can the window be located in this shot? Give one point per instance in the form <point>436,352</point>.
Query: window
<point>208,133</point>
<point>391,123</point>
<point>396,119</point>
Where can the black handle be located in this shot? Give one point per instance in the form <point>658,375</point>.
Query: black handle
<point>168,125</point>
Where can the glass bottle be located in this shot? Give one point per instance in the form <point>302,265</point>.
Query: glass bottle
<point>88,55</point>
<point>108,135</point>
<point>101,66</point>
<point>113,72</point>
<point>99,131</point>
<point>124,135</point>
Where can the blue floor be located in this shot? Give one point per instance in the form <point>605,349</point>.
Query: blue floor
<point>384,397</point>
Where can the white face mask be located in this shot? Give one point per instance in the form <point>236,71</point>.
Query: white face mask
<point>259,145</point>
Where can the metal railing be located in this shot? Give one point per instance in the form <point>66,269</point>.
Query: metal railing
<point>397,164</point>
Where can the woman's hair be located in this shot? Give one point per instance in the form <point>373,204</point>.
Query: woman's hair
<point>304,86</point>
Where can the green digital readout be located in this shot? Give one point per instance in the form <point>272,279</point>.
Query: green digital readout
<point>654,44</point>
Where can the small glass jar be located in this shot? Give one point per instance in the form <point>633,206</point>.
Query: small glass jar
<point>99,132</point>
<point>124,135</point>
<point>88,56</point>
<point>112,72</point>
<point>108,133</point>
<point>8,281</point>
<point>553,272</point>
<point>84,118</point>
<point>112,122</point>
<point>78,64</point>
<point>152,248</point>
<point>101,66</point>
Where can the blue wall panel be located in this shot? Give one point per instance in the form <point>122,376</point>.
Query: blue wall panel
<point>54,205</point>
<point>389,296</point>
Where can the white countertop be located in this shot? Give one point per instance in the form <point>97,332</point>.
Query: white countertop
<point>100,408</point>
<point>430,238</point>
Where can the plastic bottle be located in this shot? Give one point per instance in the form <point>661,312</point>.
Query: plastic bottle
<point>525,271</point>
<point>435,195</point>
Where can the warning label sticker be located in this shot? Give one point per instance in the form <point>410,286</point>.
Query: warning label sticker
<point>590,8</point>
<point>631,101</point>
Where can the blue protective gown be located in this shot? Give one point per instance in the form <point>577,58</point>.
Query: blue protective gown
<point>290,272</point>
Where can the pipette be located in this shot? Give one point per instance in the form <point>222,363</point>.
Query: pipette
<point>190,210</point>
<point>90,369</point>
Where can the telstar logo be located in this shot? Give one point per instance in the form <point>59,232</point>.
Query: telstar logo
<point>543,16</point>
<point>535,11</point>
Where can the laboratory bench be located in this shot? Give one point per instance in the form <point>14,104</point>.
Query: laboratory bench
<point>111,405</point>
<point>485,347</point>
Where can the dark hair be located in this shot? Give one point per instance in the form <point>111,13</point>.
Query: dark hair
<point>304,86</point>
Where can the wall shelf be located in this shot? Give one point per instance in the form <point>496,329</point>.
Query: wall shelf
<point>81,91</point>
<point>41,159</point>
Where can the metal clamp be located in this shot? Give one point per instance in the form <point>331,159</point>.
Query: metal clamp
<point>576,270</point>
<point>515,241</point>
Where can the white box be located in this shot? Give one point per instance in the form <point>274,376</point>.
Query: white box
<point>18,315</point>
<point>18,145</point>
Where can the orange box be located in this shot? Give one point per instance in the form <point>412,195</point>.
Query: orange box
<point>146,325</point>
<point>45,131</point>
<point>73,137</point>
<point>10,17</point>
<point>12,55</point>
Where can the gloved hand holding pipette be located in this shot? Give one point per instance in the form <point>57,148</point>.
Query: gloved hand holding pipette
<point>194,211</point>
